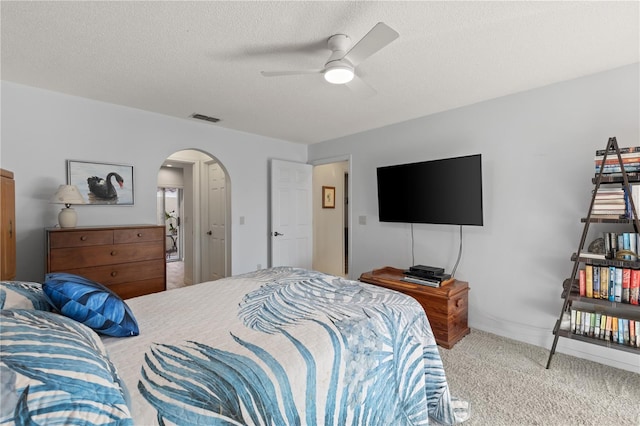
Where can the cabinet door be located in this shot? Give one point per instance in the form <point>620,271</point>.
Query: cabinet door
<point>8,227</point>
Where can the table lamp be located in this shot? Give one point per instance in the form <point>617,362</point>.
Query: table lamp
<point>67,195</point>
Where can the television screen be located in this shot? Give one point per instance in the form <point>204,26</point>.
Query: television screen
<point>447,191</point>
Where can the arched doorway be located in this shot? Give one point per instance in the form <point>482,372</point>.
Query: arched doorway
<point>196,188</point>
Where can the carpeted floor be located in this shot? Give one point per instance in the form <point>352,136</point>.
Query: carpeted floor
<point>507,384</point>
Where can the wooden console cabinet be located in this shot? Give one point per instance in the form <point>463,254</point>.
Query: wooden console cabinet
<point>446,306</point>
<point>130,260</point>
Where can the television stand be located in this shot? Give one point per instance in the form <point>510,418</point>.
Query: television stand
<point>445,306</point>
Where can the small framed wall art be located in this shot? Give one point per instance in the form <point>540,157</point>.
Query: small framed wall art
<point>328,197</point>
<point>102,183</point>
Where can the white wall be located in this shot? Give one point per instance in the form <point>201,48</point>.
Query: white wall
<point>537,150</point>
<point>42,129</point>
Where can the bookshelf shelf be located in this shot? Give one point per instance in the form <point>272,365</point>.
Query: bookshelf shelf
<point>588,313</point>
<point>606,343</point>
<point>574,295</point>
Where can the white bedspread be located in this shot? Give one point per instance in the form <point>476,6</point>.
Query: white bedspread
<point>282,346</point>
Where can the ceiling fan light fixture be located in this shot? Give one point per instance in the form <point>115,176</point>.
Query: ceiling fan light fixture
<point>339,74</point>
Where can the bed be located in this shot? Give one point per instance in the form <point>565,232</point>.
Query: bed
<point>281,346</point>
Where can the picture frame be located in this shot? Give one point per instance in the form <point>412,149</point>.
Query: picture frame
<point>328,197</point>
<point>102,183</point>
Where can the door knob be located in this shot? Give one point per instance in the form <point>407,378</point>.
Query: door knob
<point>277,234</point>
<point>209,232</point>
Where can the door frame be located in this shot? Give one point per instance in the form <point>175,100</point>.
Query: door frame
<point>192,226</point>
<point>340,159</point>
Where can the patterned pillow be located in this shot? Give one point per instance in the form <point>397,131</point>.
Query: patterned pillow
<point>90,303</point>
<point>56,371</point>
<point>23,295</point>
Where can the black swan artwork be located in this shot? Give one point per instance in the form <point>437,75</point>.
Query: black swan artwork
<point>103,188</point>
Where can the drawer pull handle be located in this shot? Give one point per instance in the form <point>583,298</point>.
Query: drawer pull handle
<point>113,253</point>
<point>83,238</point>
<point>139,234</point>
<point>114,273</point>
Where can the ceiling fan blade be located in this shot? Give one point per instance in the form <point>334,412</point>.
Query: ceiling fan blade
<point>378,37</point>
<point>361,87</point>
<point>284,73</point>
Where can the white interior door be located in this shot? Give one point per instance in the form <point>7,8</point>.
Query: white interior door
<point>291,214</point>
<point>214,263</point>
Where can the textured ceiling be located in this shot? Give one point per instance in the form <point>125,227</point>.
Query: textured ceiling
<point>178,58</point>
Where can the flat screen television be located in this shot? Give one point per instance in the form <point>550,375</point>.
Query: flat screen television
<point>446,191</point>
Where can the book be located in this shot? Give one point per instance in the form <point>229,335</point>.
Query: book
<point>573,320</point>
<point>626,284</point>
<point>588,280</point>
<point>626,336</point>
<point>608,216</point>
<point>596,283</point>
<point>592,324</point>
<point>632,332</point>
<point>614,160</point>
<point>612,283</point>
<point>618,286</point>
<point>603,326</point>
<point>620,330</point>
<point>590,255</point>
<point>623,150</point>
<point>614,329</point>
<point>596,326</point>
<point>604,282</point>
<point>607,335</point>
<point>582,282</point>
<point>634,287</point>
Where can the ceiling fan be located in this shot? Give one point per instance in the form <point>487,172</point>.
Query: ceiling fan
<point>341,65</point>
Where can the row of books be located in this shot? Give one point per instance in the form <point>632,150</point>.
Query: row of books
<point>610,201</point>
<point>606,327</point>
<point>624,243</point>
<point>614,203</point>
<point>609,283</point>
<point>630,157</point>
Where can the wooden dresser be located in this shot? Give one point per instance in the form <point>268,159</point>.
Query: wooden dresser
<point>446,306</point>
<point>7,226</point>
<point>130,259</point>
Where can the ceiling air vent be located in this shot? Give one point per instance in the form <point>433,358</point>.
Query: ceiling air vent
<point>205,118</point>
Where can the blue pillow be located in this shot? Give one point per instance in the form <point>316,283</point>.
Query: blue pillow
<point>56,371</point>
<point>90,303</point>
<point>23,295</point>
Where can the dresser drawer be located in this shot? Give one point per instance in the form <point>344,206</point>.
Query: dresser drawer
<point>138,288</point>
<point>123,272</point>
<point>137,235</point>
<point>80,238</point>
<point>64,259</point>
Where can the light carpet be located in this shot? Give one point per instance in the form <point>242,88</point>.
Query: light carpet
<point>507,384</point>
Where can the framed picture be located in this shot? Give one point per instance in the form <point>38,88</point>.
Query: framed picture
<point>102,183</point>
<point>328,197</point>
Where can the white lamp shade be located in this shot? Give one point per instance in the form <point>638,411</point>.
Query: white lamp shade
<point>67,194</point>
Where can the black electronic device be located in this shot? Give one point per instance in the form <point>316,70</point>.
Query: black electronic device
<point>446,191</point>
<point>432,270</point>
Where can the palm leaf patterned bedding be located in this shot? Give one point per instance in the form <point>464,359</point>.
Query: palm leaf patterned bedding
<point>282,346</point>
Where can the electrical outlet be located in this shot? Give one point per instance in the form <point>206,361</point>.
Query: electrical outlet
<point>362,220</point>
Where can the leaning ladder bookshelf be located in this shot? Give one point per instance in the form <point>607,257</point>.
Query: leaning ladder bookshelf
<point>571,292</point>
